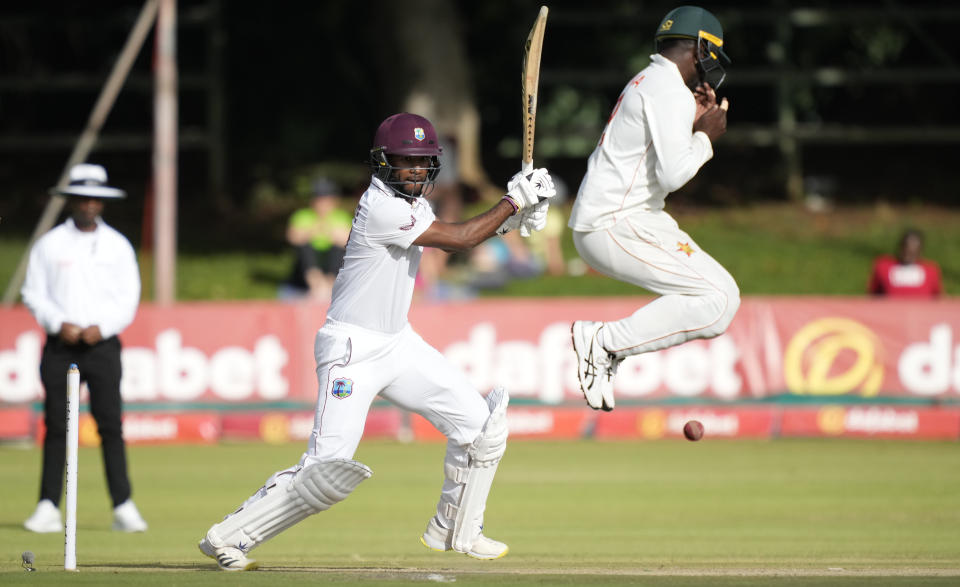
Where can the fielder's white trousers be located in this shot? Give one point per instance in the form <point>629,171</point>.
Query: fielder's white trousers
<point>698,297</point>
<point>354,366</point>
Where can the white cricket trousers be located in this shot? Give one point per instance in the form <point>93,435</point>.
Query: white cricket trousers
<point>354,366</point>
<point>698,297</point>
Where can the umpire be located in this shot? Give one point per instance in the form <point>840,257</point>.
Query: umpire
<point>83,288</point>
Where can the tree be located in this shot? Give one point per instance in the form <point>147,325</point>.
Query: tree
<point>431,71</point>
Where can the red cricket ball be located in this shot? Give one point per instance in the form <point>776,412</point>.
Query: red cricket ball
<point>693,430</point>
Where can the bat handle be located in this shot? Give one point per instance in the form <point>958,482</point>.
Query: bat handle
<point>526,167</point>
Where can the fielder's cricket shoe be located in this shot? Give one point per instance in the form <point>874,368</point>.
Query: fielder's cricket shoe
<point>127,518</point>
<point>595,366</point>
<point>45,519</point>
<point>440,539</point>
<point>228,558</point>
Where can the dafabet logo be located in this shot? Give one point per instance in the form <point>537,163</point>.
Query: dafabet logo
<point>834,356</point>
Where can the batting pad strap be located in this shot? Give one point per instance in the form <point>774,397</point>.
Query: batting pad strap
<point>485,453</point>
<point>449,511</point>
<point>456,474</point>
<point>315,488</point>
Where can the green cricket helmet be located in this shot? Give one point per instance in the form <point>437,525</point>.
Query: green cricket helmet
<point>693,22</point>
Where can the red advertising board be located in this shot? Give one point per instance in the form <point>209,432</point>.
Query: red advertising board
<point>151,428</point>
<point>877,421</point>
<point>209,355</point>
<point>655,423</point>
<point>525,422</point>
<point>278,427</point>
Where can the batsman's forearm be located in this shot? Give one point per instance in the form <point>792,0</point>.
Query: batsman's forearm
<point>480,228</point>
<point>463,236</point>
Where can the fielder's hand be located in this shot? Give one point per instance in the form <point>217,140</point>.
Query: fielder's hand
<point>713,120</point>
<point>706,99</point>
<point>528,190</point>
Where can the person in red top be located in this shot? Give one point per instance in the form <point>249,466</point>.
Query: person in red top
<point>907,274</point>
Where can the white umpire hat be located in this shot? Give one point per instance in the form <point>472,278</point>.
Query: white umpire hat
<point>90,181</point>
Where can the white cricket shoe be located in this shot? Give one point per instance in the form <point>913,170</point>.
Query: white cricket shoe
<point>45,519</point>
<point>228,558</point>
<point>595,366</point>
<point>127,518</point>
<point>440,539</point>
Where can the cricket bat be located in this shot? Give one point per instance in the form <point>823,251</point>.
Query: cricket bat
<point>531,82</point>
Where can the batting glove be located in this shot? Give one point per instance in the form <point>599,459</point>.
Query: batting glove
<point>529,221</point>
<point>511,223</point>
<point>535,219</point>
<point>527,190</point>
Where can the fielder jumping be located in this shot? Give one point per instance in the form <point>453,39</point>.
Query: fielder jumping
<point>367,348</point>
<point>658,136</point>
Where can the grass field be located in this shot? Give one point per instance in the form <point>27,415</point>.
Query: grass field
<point>786,512</point>
<point>771,249</point>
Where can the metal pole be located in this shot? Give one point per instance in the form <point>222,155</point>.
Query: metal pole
<point>165,155</point>
<point>108,95</point>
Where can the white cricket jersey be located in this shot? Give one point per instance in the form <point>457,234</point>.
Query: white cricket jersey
<point>647,150</point>
<point>375,285</point>
<point>85,278</point>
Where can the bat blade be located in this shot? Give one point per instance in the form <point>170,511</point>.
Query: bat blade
<point>531,83</point>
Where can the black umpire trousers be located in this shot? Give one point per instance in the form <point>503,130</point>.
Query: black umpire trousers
<point>99,366</point>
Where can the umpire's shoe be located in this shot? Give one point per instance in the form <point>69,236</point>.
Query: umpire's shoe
<point>127,518</point>
<point>45,519</point>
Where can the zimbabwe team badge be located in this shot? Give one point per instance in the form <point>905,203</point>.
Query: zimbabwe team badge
<point>342,388</point>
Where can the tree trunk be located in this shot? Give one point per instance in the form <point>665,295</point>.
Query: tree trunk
<point>432,70</point>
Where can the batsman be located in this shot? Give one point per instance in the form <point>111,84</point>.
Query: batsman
<point>367,348</point>
<point>659,135</point>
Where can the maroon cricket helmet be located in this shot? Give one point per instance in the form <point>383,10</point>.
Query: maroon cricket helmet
<point>405,134</point>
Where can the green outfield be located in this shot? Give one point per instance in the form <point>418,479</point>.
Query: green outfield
<point>791,512</point>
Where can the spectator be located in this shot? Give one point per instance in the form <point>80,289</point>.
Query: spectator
<point>496,262</point>
<point>906,274</point>
<point>318,235</point>
<point>83,288</point>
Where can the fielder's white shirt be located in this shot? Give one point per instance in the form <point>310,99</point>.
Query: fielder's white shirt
<point>85,278</point>
<point>374,287</point>
<point>648,149</point>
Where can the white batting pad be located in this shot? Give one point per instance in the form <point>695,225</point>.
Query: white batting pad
<point>314,488</point>
<point>485,454</point>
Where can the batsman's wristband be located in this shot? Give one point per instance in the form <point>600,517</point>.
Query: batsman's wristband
<point>512,203</point>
